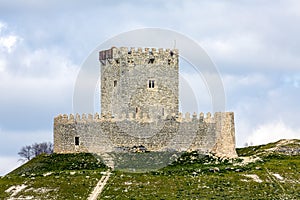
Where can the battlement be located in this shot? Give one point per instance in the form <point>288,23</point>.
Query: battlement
<point>140,106</point>
<point>143,117</point>
<point>138,53</point>
<point>95,133</point>
<point>132,77</point>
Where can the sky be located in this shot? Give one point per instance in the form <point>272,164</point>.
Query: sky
<point>255,46</point>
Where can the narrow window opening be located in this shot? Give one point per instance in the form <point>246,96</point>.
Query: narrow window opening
<point>130,61</point>
<point>151,61</point>
<point>171,53</point>
<point>151,84</point>
<point>115,83</point>
<point>76,140</point>
<point>117,61</point>
<point>169,61</point>
<point>136,110</point>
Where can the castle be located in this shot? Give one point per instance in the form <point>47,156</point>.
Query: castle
<point>140,107</point>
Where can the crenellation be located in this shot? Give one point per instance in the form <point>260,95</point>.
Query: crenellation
<point>71,118</point>
<point>154,52</point>
<point>123,51</point>
<point>160,51</point>
<point>175,51</point>
<point>146,50</point>
<point>208,115</point>
<point>141,116</point>
<point>90,117</point>
<point>132,51</point>
<point>77,117</point>
<point>223,126</point>
<point>114,52</point>
<point>208,119</point>
<point>83,117</point>
<point>96,116</point>
<point>194,116</point>
<point>140,98</point>
<point>187,117</point>
<point>201,117</point>
<point>57,119</point>
<point>65,118</point>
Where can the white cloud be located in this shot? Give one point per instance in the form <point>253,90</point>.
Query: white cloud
<point>32,102</point>
<point>234,47</point>
<point>262,98</point>
<point>272,132</point>
<point>7,41</point>
<point>255,44</point>
<point>236,82</point>
<point>36,84</point>
<point>250,51</point>
<point>48,63</point>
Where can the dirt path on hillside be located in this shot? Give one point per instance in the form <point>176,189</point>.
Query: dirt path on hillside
<point>100,185</point>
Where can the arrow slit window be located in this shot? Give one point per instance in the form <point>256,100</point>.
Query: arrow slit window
<point>151,83</point>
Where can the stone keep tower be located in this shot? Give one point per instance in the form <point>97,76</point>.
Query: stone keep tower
<point>139,89</point>
<point>139,81</point>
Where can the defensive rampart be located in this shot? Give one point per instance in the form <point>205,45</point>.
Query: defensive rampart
<point>92,133</point>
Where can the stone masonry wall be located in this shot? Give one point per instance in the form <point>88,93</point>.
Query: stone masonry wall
<point>125,76</point>
<point>98,134</point>
<point>139,106</point>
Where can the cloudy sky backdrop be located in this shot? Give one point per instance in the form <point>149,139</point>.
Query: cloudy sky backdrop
<point>254,44</point>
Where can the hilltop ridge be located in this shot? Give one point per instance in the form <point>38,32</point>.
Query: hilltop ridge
<point>268,171</point>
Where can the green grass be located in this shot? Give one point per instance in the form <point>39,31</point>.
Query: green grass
<point>143,162</point>
<point>70,176</point>
<point>190,176</point>
<point>262,149</point>
<point>186,180</point>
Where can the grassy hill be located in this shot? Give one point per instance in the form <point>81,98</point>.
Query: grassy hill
<point>269,171</point>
